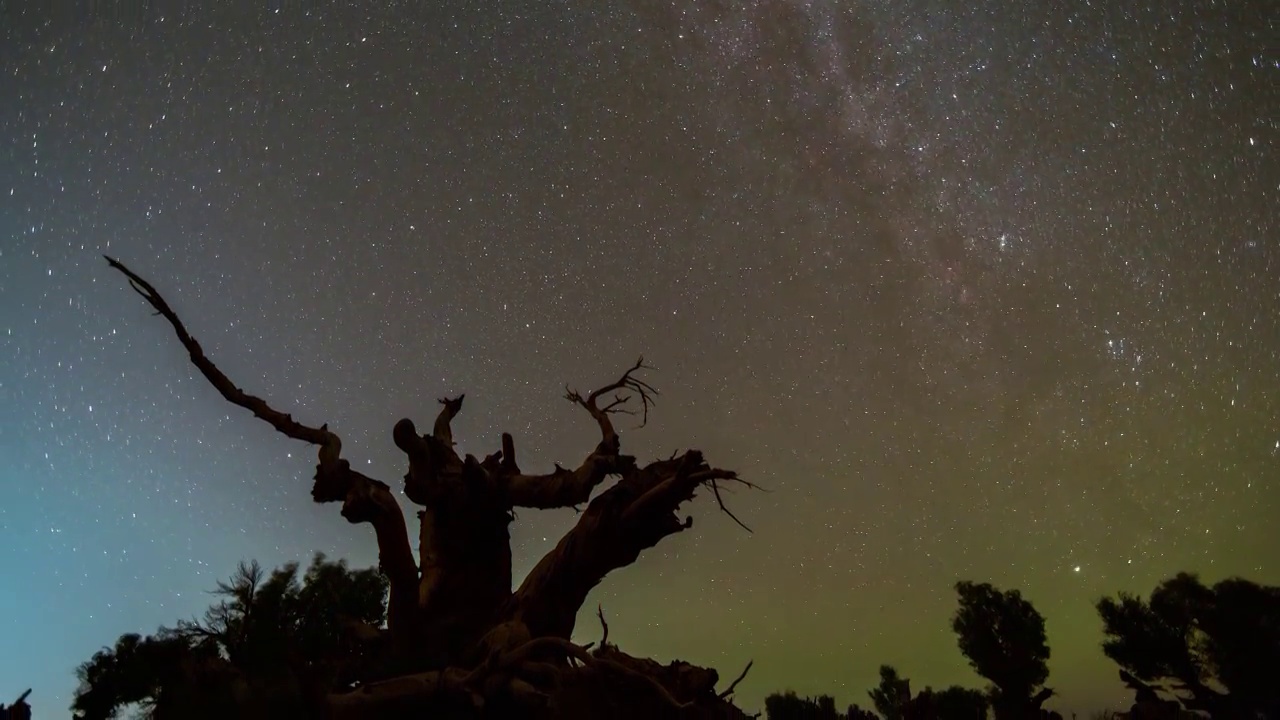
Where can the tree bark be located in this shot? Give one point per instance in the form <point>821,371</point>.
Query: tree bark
<point>464,547</point>
<point>633,515</point>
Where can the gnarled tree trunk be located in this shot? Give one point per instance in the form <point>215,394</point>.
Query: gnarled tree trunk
<point>458,639</point>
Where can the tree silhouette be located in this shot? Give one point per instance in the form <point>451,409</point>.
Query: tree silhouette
<point>789,706</point>
<point>960,703</point>
<point>892,696</point>
<point>457,634</point>
<point>276,632</point>
<point>856,713</point>
<point>894,701</point>
<point>1003,638</point>
<point>169,675</point>
<point>1216,650</point>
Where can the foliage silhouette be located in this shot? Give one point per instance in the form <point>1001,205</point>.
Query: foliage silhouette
<point>789,706</point>
<point>960,703</point>
<point>892,699</point>
<point>266,630</point>
<point>1003,637</point>
<point>892,696</point>
<point>1216,650</point>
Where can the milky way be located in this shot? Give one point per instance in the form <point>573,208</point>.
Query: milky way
<point>984,292</point>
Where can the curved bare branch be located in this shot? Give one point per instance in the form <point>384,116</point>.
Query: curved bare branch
<point>630,385</point>
<point>282,422</point>
<point>563,487</point>
<point>450,407</point>
<point>734,685</point>
<point>363,498</point>
<point>604,638</point>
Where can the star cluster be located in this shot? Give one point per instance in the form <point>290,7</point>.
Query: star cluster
<point>986,291</point>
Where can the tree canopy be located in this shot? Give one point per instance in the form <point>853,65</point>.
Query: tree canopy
<point>1003,637</point>
<point>1214,649</point>
<point>789,706</point>
<point>892,699</point>
<point>1189,651</point>
<point>273,628</point>
<point>960,703</point>
<point>892,696</point>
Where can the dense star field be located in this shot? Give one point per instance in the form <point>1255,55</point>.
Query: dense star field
<point>983,290</point>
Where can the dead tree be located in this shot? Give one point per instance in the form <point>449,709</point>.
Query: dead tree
<point>457,634</point>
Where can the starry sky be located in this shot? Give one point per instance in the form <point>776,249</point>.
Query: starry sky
<point>984,290</point>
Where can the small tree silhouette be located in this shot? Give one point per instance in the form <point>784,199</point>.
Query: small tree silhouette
<point>1189,639</point>
<point>789,706</point>
<point>271,630</point>
<point>893,700</point>
<point>892,695</point>
<point>1003,637</point>
<point>960,703</point>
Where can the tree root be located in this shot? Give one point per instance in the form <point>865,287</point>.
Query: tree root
<point>529,675</point>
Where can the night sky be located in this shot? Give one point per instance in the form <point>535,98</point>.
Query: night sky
<point>984,290</point>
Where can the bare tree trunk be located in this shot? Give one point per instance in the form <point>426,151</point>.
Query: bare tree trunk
<point>457,633</point>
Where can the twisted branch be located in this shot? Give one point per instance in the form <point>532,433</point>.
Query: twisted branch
<point>679,486</point>
<point>282,422</point>
<point>364,499</point>
<point>450,407</point>
<point>433,462</point>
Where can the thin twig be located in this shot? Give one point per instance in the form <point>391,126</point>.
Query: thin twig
<point>715,488</point>
<point>637,386</point>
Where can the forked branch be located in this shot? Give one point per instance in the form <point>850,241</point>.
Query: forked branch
<point>570,488</point>
<point>450,407</point>
<point>714,482</point>
<point>626,387</point>
<point>433,462</point>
